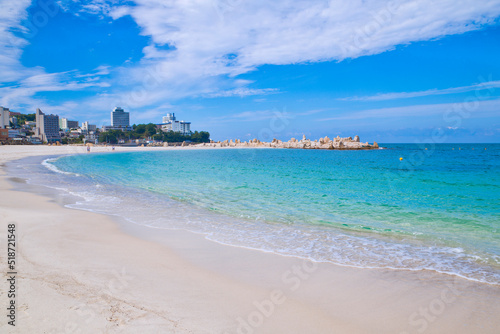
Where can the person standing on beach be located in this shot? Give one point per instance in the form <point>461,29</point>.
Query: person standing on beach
<point>88,149</point>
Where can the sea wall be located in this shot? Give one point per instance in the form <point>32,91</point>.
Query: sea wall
<point>337,143</point>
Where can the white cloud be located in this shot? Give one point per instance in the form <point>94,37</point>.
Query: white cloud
<point>22,92</point>
<point>211,42</point>
<point>287,32</point>
<point>11,15</point>
<point>20,83</point>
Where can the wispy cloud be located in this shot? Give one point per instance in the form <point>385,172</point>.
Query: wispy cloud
<point>20,93</point>
<point>252,116</point>
<point>313,111</point>
<point>208,46</point>
<point>11,16</point>
<point>199,47</point>
<point>19,84</point>
<point>488,108</point>
<point>489,85</point>
<point>302,31</point>
<point>242,92</point>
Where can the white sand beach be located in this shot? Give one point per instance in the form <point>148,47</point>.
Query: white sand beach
<point>82,272</point>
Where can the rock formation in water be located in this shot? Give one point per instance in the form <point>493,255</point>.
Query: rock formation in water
<point>326,143</point>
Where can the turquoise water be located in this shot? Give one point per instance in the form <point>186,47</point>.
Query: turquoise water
<point>436,209</point>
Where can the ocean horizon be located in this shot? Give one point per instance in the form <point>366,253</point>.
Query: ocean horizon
<point>436,209</point>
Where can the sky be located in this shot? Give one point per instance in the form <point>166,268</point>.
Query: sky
<point>388,71</point>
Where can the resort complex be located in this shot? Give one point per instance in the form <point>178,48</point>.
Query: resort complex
<point>38,128</point>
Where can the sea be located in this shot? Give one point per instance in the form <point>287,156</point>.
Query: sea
<point>405,207</point>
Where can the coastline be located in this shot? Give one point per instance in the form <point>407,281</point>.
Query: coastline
<point>85,271</point>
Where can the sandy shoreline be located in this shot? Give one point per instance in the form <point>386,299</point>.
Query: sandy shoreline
<point>81,272</point>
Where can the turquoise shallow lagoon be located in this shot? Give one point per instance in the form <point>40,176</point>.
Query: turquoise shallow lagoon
<point>437,209</point>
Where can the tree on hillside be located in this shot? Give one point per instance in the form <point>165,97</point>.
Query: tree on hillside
<point>21,119</point>
<point>150,130</point>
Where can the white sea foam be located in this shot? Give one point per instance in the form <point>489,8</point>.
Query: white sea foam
<point>320,244</point>
<point>47,164</point>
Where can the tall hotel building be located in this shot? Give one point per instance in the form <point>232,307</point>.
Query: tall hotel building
<point>120,118</point>
<point>4,123</point>
<point>4,117</point>
<point>47,127</point>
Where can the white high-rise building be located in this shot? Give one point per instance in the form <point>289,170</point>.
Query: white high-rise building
<point>4,117</point>
<point>120,118</point>
<point>171,124</point>
<point>168,118</point>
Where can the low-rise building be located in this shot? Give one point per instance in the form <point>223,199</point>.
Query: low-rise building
<point>91,137</point>
<point>15,133</point>
<point>74,133</point>
<point>34,140</point>
<point>105,128</point>
<point>29,124</point>
<point>4,134</point>
<point>65,124</point>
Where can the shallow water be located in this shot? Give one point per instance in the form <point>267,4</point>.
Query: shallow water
<point>437,209</point>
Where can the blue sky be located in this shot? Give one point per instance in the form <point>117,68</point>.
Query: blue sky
<point>389,71</point>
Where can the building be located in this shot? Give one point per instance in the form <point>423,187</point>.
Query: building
<point>185,127</point>
<point>168,118</point>
<point>72,124</point>
<point>66,124</point>
<point>86,127</point>
<point>47,127</point>
<point>74,134</point>
<point>13,120</point>
<point>171,124</point>
<point>34,140</point>
<point>120,118</point>
<point>4,117</point>
<point>4,134</point>
<point>91,137</point>
<point>105,128</point>
<point>15,133</point>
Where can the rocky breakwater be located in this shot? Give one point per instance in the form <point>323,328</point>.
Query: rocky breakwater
<point>326,143</point>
